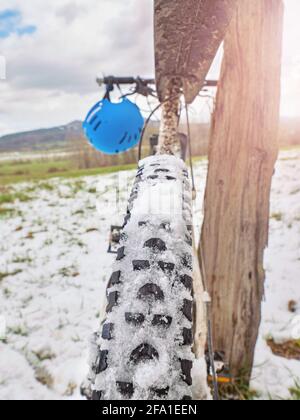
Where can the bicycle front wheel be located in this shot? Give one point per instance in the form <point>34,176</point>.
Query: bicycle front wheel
<point>144,348</point>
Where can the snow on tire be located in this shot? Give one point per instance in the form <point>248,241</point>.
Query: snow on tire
<point>144,348</point>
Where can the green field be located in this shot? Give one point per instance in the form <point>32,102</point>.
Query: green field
<point>35,170</point>
<point>15,172</point>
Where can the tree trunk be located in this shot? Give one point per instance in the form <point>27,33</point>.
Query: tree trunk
<point>243,151</point>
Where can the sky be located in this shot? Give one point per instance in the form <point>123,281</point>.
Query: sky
<point>54,52</point>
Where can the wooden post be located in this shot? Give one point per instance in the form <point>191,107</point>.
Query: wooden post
<point>243,151</point>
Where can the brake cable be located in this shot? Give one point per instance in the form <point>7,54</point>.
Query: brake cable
<point>194,192</point>
<point>148,121</point>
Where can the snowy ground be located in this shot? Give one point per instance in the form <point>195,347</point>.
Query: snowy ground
<point>54,268</point>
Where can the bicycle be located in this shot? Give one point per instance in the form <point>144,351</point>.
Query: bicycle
<point>144,349</point>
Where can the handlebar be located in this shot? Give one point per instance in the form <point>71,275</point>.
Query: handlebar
<point>142,86</point>
<point>111,80</point>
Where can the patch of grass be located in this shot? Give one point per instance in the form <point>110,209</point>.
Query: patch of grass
<point>290,147</point>
<point>7,293</point>
<point>6,212</point>
<point>46,186</point>
<point>29,235</point>
<point>55,170</point>
<point>6,198</point>
<point>23,198</point>
<point>200,159</point>
<point>238,388</point>
<point>289,350</point>
<point>295,391</point>
<point>295,191</point>
<point>14,172</point>
<point>77,186</point>
<point>44,354</point>
<point>68,272</point>
<point>12,197</point>
<point>43,376</point>
<point>22,260</point>
<point>90,230</point>
<point>76,213</point>
<point>277,216</point>
<point>8,274</point>
<point>92,190</point>
<point>19,330</point>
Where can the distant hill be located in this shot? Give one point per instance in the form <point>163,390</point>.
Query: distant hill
<point>49,139</point>
<point>42,140</point>
<point>66,136</point>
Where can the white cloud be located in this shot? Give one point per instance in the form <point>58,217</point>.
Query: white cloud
<point>51,74</point>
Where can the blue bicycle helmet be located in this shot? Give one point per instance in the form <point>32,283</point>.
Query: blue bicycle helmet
<point>113,128</point>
